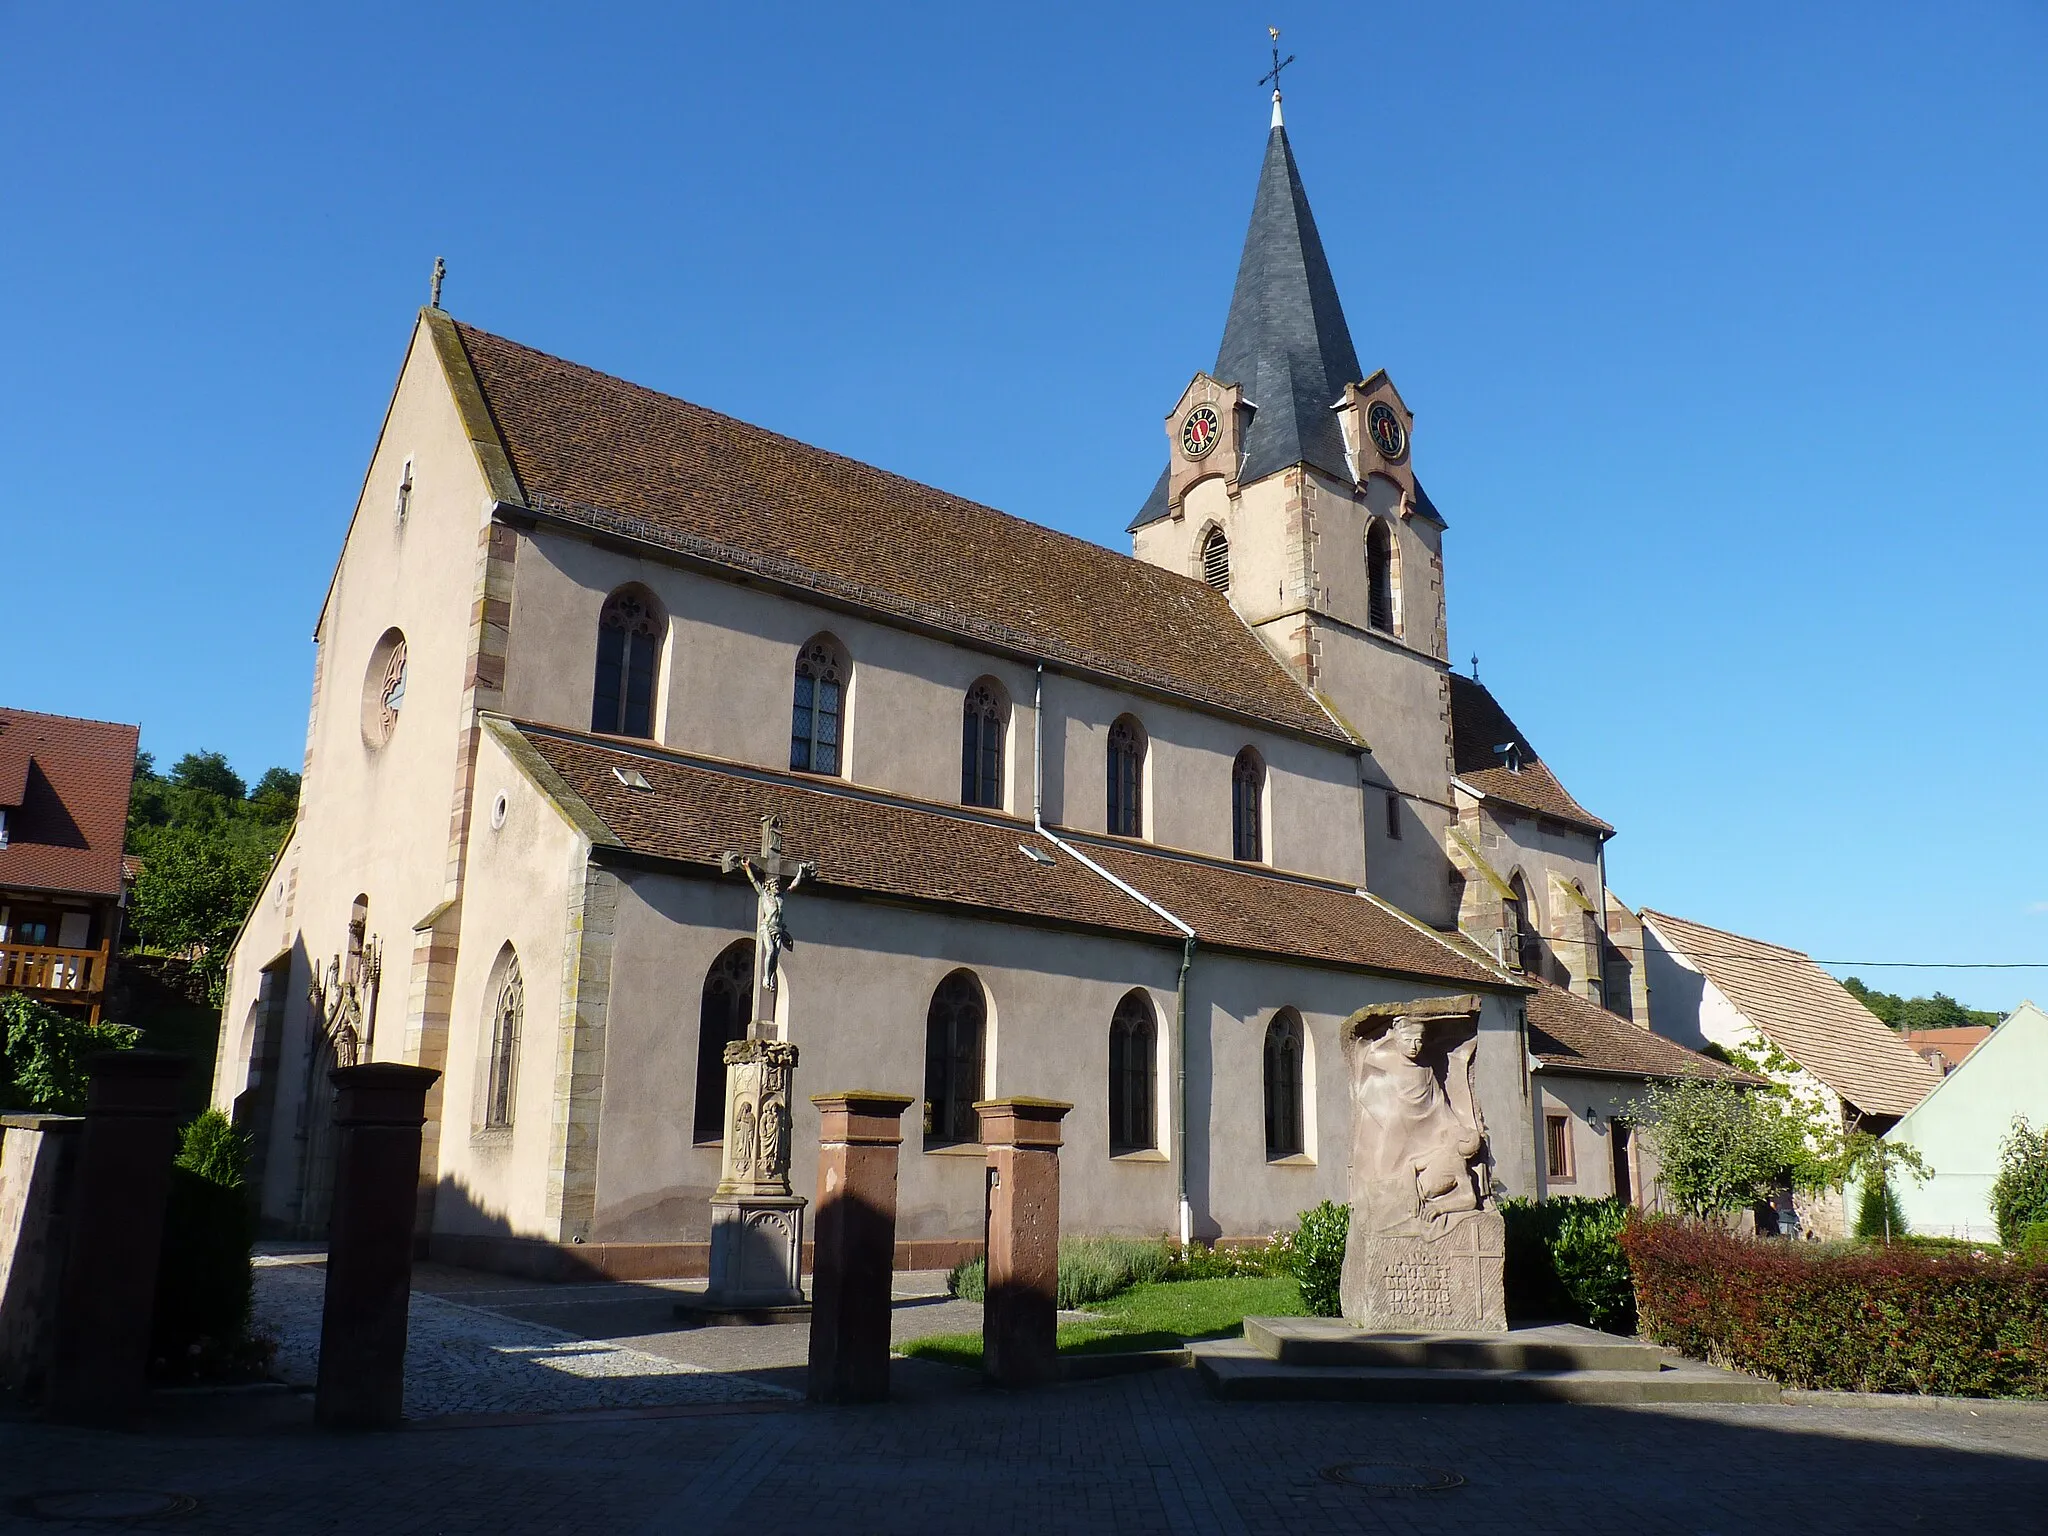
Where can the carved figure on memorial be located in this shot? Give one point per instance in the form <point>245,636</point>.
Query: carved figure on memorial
<point>1426,1246</point>
<point>772,877</point>
<point>775,1139</point>
<point>743,1140</point>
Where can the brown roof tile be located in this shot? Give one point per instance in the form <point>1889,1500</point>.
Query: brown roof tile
<point>1478,725</point>
<point>696,810</point>
<point>1570,1031</point>
<point>69,817</point>
<point>617,457</point>
<point>1806,1013</point>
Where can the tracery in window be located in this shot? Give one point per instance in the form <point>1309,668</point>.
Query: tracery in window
<point>1284,1085</point>
<point>1127,777</point>
<point>955,1047</point>
<point>984,716</point>
<point>508,1012</point>
<point>1133,1066</point>
<point>384,683</point>
<point>629,632</point>
<point>818,708</point>
<point>1247,806</point>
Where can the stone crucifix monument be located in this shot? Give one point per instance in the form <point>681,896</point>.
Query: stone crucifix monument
<point>1426,1245</point>
<point>757,1220</point>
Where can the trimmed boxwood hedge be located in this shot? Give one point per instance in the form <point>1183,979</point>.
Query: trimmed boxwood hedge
<point>1889,1319</point>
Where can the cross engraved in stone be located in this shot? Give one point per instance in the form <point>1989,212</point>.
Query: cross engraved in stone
<point>772,877</point>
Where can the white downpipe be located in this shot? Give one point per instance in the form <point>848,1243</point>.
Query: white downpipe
<point>1185,1214</point>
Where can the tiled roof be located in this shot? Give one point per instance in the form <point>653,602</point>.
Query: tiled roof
<point>1806,1013</point>
<point>1478,725</point>
<point>622,459</point>
<point>64,783</point>
<point>1567,1031</point>
<point>696,810</point>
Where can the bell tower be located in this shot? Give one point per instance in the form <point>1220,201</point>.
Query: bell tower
<point>1290,485</point>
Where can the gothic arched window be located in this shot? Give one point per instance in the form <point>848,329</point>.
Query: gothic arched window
<point>1133,1048</point>
<point>1216,560</point>
<point>983,716</point>
<point>817,716</point>
<point>1247,806</point>
<point>955,1031</point>
<point>1381,572</point>
<point>628,651</point>
<point>722,1018</point>
<point>1284,1085</point>
<point>1127,777</point>
<point>1520,949</point>
<point>508,1011</point>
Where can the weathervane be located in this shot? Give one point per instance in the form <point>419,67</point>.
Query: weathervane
<point>1278,62</point>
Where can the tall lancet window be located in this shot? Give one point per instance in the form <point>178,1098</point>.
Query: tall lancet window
<point>722,1016</point>
<point>508,1012</point>
<point>1381,571</point>
<point>955,1052</point>
<point>628,650</point>
<point>1247,806</point>
<point>817,717</point>
<point>1283,1085</point>
<point>1216,560</point>
<point>983,716</point>
<point>1133,1060</point>
<point>1127,777</point>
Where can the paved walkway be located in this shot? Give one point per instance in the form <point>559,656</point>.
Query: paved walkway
<point>1139,1454</point>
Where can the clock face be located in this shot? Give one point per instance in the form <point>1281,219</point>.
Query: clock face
<point>1200,432</point>
<point>1388,435</point>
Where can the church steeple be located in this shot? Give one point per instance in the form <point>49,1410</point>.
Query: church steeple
<point>1285,341</point>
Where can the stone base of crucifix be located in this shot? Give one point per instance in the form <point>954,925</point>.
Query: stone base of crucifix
<point>757,1220</point>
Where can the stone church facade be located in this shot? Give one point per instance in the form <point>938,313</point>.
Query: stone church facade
<point>1136,833</point>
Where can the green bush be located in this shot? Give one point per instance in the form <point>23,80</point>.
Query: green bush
<point>2034,1242</point>
<point>46,1054</point>
<point>204,1284</point>
<point>1855,1318</point>
<point>1091,1269</point>
<point>1319,1257</point>
<point>1591,1266</point>
<point>1879,1216</point>
<point>2019,1196</point>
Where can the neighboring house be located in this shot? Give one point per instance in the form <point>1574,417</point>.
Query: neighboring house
<point>1088,827</point>
<point>1590,1069</point>
<point>63,821</point>
<point>1946,1049</point>
<point>1957,1128</point>
<point>1709,987</point>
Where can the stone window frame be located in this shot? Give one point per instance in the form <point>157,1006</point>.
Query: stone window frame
<point>956,1057</point>
<point>1212,556</point>
<point>631,627</point>
<point>725,1005</point>
<point>384,687</point>
<point>1124,779</point>
<point>1134,1075</point>
<point>820,687</point>
<point>1284,1080</point>
<point>1382,577</point>
<point>1248,806</point>
<point>984,751</point>
<point>1558,1149</point>
<point>497,1100</point>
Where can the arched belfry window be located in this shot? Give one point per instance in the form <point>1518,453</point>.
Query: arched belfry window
<point>984,721</point>
<point>1519,947</point>
<point>628,650</point>
<point>1216,560</point>
<point>1127,777</point>
<point>955,1037</point>
<point>817,717</point>
<point>501,1075</point>
<point>1381,576</point>
<point>1247,806</point>
<point>722,1017</point>
<point>1133,1068</point>
<point>1284,1085</point>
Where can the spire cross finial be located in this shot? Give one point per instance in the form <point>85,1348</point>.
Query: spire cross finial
<point>1278,63</point>
<point>440,271</point>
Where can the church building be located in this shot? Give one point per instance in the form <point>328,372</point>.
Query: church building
<point>1133,832</point>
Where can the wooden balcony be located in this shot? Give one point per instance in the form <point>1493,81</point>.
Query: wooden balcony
<point>55,975</point>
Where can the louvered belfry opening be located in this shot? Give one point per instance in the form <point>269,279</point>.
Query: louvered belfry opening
<point>1216,560</point>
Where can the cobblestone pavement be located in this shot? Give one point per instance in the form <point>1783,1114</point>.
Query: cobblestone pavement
<point>470,1360</point>
<point>711,1449</point>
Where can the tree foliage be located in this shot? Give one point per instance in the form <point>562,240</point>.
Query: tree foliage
<point>1319,1257</point>
<point>1937,1012</point>
<point>46,1055</point>
<point>1722,1146</point>
<point>2019,1195</point>
<point>205,841</point>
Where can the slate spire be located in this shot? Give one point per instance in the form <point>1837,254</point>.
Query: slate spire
<point>1285,340</point>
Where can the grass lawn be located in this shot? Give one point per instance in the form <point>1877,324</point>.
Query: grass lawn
<point>1164,1315</point>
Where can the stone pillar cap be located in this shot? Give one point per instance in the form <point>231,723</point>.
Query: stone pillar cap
<point>862,1117</point>
<point>864,1101</point>
<point>382,1093</point>
<point>1021,1121</point>
<point>31,1120</point>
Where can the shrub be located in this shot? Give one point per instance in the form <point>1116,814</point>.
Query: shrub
<point>46,1054</point>
<point>1091,1269</point>
<point>1319,1257</point>
<point>1722,1146</point>
<point>1564,1261</point>
<point>2034,1242</point>
<point>1879,1216</point>
<point>1893,1319</point>
<point>2019,1196</point>
<point>204,1281</point>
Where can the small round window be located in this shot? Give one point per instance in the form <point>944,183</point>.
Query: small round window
<point>384,688</point>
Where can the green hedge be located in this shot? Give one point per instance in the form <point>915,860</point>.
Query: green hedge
<point>1889,1319</point>
<point>1564,1262</point>
<point>205,1283</point>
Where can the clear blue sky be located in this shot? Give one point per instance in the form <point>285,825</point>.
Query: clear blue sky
<point>1726,331</point>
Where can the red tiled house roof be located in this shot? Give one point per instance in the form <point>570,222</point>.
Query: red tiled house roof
<point>1478,726</point>
<point>64,790</point>
<point>1574,1033</point>
<point>622,459</point>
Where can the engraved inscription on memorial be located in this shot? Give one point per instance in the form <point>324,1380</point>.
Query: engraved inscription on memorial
<point>1420,1286</point>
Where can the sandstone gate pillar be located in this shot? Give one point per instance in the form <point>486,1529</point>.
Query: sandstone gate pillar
<point>1019,1316</point>
<point>122,1184</point>
<point>37,1156</point>
<point>379,1110</point>
<point>854,1261</point>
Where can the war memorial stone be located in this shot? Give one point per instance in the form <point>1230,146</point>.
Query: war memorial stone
<point>1426,1248</point>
